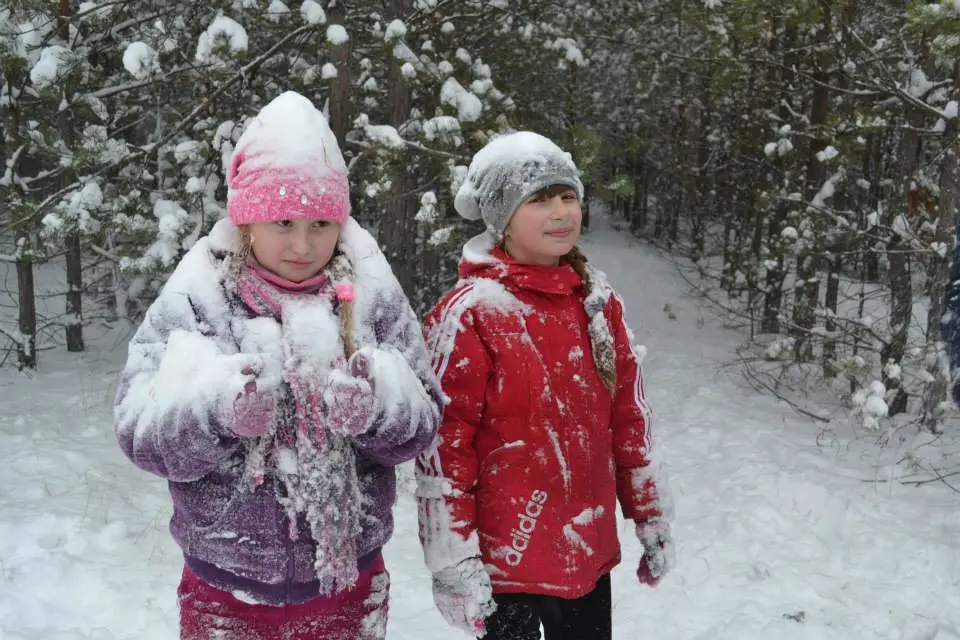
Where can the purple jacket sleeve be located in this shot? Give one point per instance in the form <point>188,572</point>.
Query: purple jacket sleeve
<point>407,426</point>
<point>182,440</point>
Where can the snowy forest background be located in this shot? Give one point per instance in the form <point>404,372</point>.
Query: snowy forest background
<point>798,159</point>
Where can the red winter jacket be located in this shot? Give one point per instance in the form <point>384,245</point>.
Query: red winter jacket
<point>532,450</point>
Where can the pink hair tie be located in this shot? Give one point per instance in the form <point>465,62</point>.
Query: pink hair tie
<point>345,292</point>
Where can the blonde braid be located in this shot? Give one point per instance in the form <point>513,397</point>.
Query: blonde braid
<point>601,341</point>
<point>346,322</point>
<point>342,273</point>
<point>578,261</point>
<point>241,253</point>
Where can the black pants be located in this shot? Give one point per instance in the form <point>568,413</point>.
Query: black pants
<point>519,615</point>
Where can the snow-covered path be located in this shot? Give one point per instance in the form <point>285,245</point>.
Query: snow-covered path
<point>775,538</point>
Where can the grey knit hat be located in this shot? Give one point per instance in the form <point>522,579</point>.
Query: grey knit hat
<point>509,170</point>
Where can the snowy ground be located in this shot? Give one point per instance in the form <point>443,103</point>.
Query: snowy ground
<point>776,538</point>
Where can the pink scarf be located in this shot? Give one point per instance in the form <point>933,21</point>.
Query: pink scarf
<point>324,488</point>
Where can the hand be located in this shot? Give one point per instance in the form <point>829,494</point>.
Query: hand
<point>227,377</point>
<point>658,553</point>
<point>464,596</point>
<point>253,410</point>
<point>350,398</point>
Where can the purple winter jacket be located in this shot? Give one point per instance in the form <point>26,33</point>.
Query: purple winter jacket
<point>238,540</point>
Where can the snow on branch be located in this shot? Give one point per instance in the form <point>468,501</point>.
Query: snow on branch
<point>106,92</point>
<point>100,251</point>
<point>407,143</point>
<point>179,128</point>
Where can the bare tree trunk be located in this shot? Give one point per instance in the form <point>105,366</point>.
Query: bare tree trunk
<point>587,196</point>
<point>27,348</point>
<point>74,295</point>
<point>809,263</point>
<point>776,273</point>
<point>397,237</point>
<point>776,270</point>
<point>901,304</point>
<point>831,302</point>
<point>730,251</point>
<point>640,173</point>
<point>935,389</point>
<point>340,86</point>
<point>703,185</point>
<point>901,285</point>
<point>644,197</point>
<point>74,255</point>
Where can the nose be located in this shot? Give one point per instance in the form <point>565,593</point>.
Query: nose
<point>300,242</point>
<point>558,208</point>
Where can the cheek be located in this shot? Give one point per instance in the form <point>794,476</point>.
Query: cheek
<point>326,246</point>
<point>268,248</point>
<point>531,226</point>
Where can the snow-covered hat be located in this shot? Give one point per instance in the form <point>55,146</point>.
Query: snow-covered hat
<point>509,170</point>
<point>287,165</point>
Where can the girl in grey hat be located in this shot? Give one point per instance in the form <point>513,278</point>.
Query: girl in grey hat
<point>547,426</point>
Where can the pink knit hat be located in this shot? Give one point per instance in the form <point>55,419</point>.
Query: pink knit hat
<point>287,165</point>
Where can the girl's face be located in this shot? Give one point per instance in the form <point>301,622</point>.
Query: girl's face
<point>545,227</point>
<point>294,249</point>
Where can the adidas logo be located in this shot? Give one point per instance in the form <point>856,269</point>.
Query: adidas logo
<point>521,536</point>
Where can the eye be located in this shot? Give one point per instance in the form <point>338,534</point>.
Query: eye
<point>538,198</point>
<point>320,224</point>
<point>569,196</point>
<point>284,224</point>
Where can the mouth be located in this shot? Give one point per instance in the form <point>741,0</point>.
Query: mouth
<point>560,233</point>
<point>299,264</point>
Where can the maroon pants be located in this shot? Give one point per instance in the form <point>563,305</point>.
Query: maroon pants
<point>206,613</point>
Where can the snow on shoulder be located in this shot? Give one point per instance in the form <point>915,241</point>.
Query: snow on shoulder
<point>486,293</point>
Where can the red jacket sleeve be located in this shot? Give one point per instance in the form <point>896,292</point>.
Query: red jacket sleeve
<point>640,487</point>
<point>447,472</point>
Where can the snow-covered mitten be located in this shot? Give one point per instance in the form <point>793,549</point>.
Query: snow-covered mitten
<point>350,398</point>
<point>254,409</point>
<point>658,553</point>
<point>464,596</point>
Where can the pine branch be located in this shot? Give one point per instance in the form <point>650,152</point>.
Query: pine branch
<point>413,145</point>
<point>179,128</point>
<point>239,76</point>
<point>107,92</point>
<point>104,253</point>
<point>114,30</point>
<point>894,86</point>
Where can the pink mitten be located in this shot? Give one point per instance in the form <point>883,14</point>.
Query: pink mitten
<point>350,399</point>
<point>253,410</point>
<point>658,553</point>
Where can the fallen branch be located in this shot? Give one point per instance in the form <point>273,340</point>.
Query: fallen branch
<point>16,338</point>
<point>939,477</point>
<point>760,385</point>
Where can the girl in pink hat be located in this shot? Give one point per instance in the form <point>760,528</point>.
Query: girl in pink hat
<point>275,383</point>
